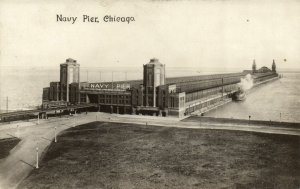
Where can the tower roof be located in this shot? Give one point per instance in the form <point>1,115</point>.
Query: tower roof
<point>154,61</point>
<point>70,60</point>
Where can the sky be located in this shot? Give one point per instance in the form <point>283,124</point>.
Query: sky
<point>221,34</point>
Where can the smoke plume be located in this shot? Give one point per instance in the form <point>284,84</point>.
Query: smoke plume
<point>246,83</point>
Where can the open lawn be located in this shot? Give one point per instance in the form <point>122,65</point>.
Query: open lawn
<point>118,155</point>
<point>6,145</point>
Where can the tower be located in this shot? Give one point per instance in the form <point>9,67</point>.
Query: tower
<point>253,67</point>
<point>154,75</point>
<point>69,73</point>
<point>273,66</point>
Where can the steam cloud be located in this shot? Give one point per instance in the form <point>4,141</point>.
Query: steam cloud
<point>246,83</point>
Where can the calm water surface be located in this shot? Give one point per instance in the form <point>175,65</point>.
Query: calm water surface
<point>267,102</point>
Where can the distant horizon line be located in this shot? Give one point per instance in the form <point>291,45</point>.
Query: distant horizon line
<point>296,70</point>
<point>27,66</point>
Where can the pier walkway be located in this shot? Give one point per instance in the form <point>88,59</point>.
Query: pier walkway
<point>42,113</point>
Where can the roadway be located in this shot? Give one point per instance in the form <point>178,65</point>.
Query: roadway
<point>49,110</point>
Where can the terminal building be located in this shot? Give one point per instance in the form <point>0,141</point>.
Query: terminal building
<point>153,95</point>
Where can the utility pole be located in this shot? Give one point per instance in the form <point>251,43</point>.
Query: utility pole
<point>100,76</point>
<point>280,116</point>
<point>7,104</point>
<point>112,80</point>
<point>87,76</point>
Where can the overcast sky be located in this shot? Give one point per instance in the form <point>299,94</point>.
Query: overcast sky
<point>178,33</point>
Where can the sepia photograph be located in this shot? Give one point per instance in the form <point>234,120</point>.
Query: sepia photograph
<point>142,94</point>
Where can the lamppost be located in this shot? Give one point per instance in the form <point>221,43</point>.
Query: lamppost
<point>37,158</point>
<point>18,132</point>
<point>7,104</point>
<point>55,140</point>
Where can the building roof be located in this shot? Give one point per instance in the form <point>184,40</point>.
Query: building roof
<point>264,69</point>
<point>70,61</point>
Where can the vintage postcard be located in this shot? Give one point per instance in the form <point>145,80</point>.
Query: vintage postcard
<point>150,94</point>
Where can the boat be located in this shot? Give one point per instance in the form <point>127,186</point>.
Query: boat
<point>240,95</point>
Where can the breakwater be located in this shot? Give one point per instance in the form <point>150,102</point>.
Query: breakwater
<point>212,120</point>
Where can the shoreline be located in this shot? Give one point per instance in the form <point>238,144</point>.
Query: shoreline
<point>212,120</point>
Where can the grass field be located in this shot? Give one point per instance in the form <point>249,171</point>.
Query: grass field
<point>6,145</point>
<point>115,155</point>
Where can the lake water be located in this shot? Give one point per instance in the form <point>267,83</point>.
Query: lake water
<point>277,100</point>
<point>23,87</point>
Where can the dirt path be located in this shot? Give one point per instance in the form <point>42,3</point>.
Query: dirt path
<point>22,159</point>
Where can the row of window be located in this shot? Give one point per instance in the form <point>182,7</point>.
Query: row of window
<point>172,102</point>
<point>199,106</point>
<point>114,96</point>
<point>114,101</point>
<point>198,85</point>
<point>200,94</point>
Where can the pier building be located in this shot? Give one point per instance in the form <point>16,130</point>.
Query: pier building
<point>154,94</point>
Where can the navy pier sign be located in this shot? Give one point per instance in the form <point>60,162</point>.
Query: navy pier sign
<point>122,86</point>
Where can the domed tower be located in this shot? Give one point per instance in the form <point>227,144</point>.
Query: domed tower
<point>154,76</point>
<point>253,67</point>
<point>273,66</point>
